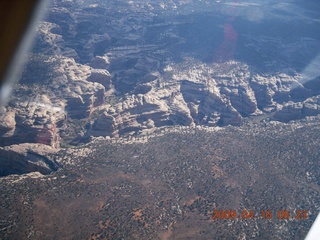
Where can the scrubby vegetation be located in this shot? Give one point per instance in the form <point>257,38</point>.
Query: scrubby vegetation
<point>170,184</point>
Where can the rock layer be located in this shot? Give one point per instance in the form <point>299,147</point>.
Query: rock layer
<point>119,74</point>
<point>25,158</point>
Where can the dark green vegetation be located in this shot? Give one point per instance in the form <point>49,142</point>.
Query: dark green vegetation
<point>168,187</point>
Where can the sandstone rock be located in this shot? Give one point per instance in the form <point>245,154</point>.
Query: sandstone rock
<point>151,90</point>
<point>37,122</point>
<point>230,117</point>
<point>96,45</point>
<point>26,158</point>
<point>293,111</point>
<point>263,94</point>
<point>70,53</point>
<point>136,111</point>
<point>207,105</point>
<point>64,18</point>
<point>100,62</point>
<point>290,111</point>
<point>142,89</point>
<point>47,40</point>
<point>104,125</point>
<point>180,112</point>
<point>39,117</point>
<point>81,96</point>
<point>101,76</point>
<point>242,99</point>
<point>7,124</point>
<point>81,105</point>
<point>268,90</point>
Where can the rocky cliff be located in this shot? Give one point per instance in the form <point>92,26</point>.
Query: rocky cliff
<point>26,158</point>
<point>119,70</point>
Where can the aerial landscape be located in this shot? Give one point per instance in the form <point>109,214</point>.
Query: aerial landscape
<point>165,119</point>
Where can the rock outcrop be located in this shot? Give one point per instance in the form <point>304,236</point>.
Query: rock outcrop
<point>26,158</point>
<point>7,123</point>
<point>115,70</point>
<point>104,125</point>
<point>119,74</point>
<point>81,96</point>
<point>100,62</point>
<point>35,121</point>
<point>37,113</point>
<point>293,111</point>
<point>101,76</point>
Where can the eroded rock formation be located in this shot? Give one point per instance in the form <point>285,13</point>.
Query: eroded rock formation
<point>118,74</point>
<point>26,158</point>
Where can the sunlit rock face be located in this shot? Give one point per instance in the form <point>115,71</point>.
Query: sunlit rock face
<point>120,70</point>
<point>147,115</point>
<point>292,111</point>
<point>101,76</point>
<point>7,123</point>
<point>33,122</point>
<point>39,113</point>
<point>104,125</point>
